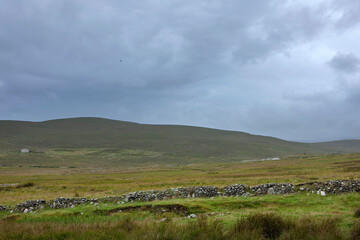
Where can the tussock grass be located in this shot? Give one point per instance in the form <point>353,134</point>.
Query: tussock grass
<point>310,228</point>
<point>259,226</point>
<point>269,225</point>
<point>27,184</point>
<point>355,231</point>
<point>357,213</point>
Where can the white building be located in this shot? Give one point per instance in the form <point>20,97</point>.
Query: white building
<point>25,150</point>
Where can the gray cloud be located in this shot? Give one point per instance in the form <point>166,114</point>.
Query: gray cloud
<point>347,63</point>
<point>346,13</point>
<point>256,66</point>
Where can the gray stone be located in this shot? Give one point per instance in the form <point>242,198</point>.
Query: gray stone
<point>271,191</point>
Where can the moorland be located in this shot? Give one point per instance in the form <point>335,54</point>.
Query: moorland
<point>94,158</point>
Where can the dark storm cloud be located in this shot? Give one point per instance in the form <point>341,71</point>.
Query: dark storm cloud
<point>258,66</point>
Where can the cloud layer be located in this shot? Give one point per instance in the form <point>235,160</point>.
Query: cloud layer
<point>288,69</point>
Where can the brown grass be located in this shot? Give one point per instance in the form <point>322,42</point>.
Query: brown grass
<point>259,226</point>
<point>23,185</point>
<point>357,213</point>
<point>355,231</point>
<point>49,183</point>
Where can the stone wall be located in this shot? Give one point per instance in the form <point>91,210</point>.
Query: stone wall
<point>272,188</point>
<point>329,187</point>
<point>234,190</point>
<point>332,187</point>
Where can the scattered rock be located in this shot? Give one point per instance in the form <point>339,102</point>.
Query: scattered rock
<point>2,208</point>
<point>9,185</point>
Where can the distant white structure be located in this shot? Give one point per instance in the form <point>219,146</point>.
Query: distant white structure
<point>271,159</point>
<point>25,150</point>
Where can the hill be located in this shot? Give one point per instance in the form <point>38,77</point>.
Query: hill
<point>157,143</point>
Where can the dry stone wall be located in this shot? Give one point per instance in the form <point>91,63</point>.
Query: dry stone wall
<point>332,187</point>
<point>329,187</point>
<point>272,188</point>
<point>234,190</point>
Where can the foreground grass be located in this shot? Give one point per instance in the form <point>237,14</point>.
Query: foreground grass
<point>295,216</point>
<point>257,226</point>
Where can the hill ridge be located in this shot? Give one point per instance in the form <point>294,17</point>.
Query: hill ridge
<point>177,141</point>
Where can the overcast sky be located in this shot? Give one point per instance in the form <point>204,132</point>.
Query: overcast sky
<point>288,69</point>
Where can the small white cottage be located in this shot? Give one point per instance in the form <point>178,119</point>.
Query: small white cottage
<point>25,150</point>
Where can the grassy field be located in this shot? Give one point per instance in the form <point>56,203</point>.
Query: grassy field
<point>224,217</point>
<point>301,215</point>
<point>50,182</point>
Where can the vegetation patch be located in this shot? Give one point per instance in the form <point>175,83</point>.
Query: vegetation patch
<point>357,213</point>
<point>24,185</point>
<point>158,209</point>
<point>355,231</point>
<point>271,226</point>
<point>256,226</point>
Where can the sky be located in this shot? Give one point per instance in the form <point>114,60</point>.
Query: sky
<point>288,69</point>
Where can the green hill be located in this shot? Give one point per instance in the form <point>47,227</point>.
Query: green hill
<point>126,141</point>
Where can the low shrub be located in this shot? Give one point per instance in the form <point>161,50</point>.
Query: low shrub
<point>269,225</point>
<point>254,227</point>
<point>273,226</point>
<point>127,224</point>
<point>357,213</point>
<point>310,228</point>
<point>28,184</point>
<point>355,231</point>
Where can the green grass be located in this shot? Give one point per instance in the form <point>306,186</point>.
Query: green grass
<point>231,214</point>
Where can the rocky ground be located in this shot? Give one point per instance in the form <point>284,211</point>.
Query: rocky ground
<point>240,190</point>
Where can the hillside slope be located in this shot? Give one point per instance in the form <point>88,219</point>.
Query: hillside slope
<point>172,140</point>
